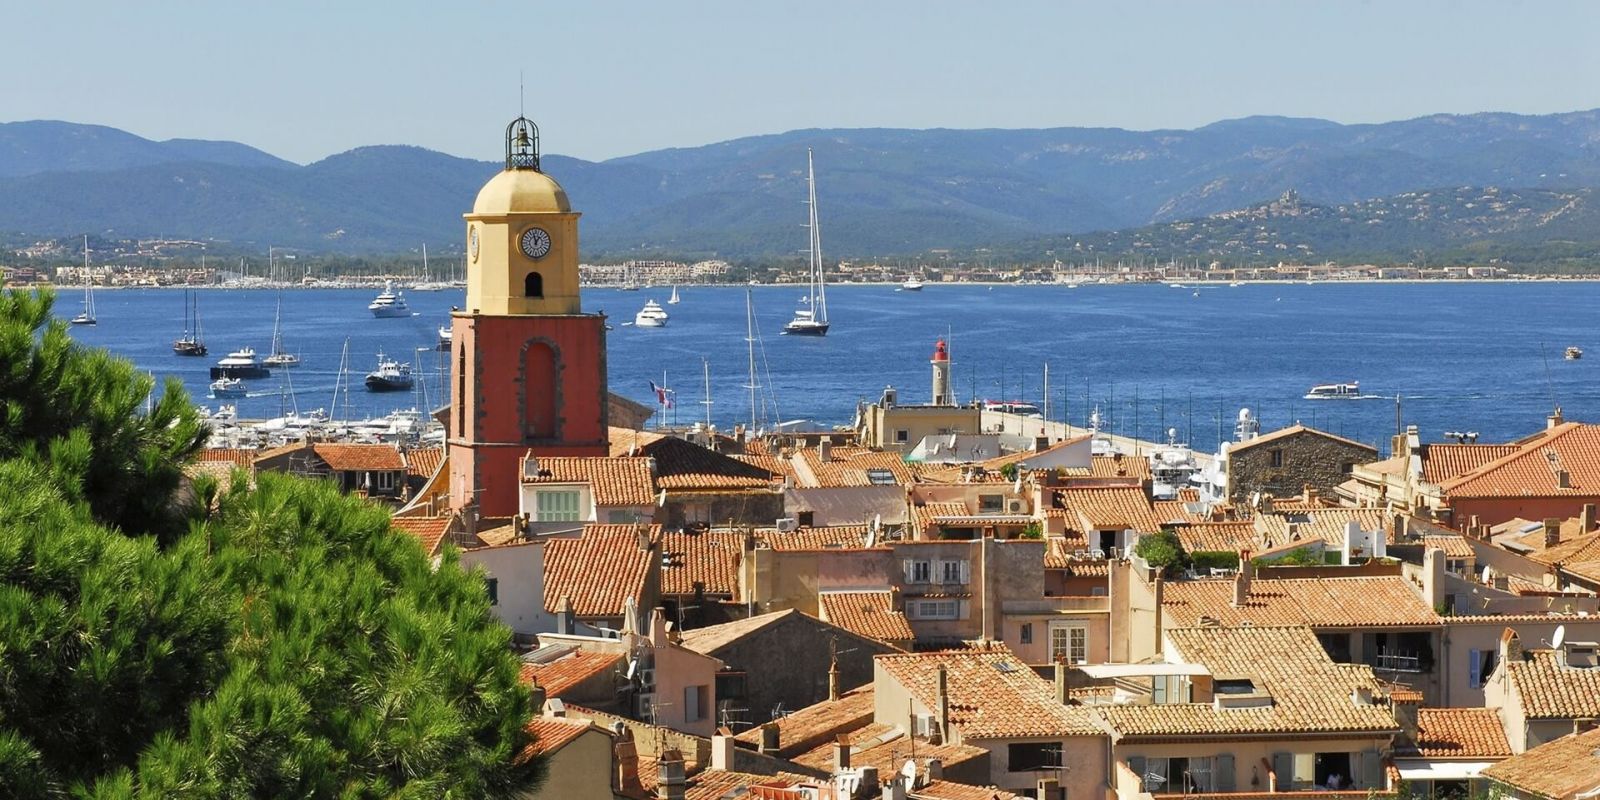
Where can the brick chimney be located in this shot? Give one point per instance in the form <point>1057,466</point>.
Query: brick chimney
<point>1241,581</point>
<point>1552,532</point>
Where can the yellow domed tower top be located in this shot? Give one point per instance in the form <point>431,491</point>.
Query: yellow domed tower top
<point>522,237</point>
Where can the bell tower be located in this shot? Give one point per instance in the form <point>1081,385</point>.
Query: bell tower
<point>528,366</point>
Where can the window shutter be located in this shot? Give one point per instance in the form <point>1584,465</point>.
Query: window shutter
<point>1136,764</point>
<point>966,572</point>
<point>936,571</point>
<point>1223,775</point>
<point>1474,668</point>
<point>1283,768</point>
<point>1371,770</point>
<point>909,566</point>
<point>961,609</point>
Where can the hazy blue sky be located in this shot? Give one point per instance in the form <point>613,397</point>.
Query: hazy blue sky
<point>304,80</point>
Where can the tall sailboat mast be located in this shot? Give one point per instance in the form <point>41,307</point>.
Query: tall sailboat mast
<point>819,290</point>
<point>750,348</point>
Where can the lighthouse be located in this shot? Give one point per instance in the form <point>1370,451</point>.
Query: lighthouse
<point>941,376</point>
<point>528,366</point>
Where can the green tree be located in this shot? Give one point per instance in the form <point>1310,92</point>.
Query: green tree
<point>1162,550</point>
<point>273,640</point>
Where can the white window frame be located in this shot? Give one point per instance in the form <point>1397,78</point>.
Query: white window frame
<point>919,571</point>
<point>881,476</point>
<point>1069,631</point>
<point>553,514</point>
<point>382,480</point>
<point>937,609</point>
<point>952,571</point>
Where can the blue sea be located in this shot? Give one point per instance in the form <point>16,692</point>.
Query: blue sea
<point>1484,357</point>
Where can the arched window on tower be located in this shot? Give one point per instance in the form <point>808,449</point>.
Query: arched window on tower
<point>533,285</point>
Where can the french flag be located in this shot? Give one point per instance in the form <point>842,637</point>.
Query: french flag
<point>663,395</point>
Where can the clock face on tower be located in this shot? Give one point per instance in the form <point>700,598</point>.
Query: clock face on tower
<point>535,243</point>
<point>472,242</point>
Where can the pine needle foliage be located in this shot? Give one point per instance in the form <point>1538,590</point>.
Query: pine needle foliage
<point>277,639</point>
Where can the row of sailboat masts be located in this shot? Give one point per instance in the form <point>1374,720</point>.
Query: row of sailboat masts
<point>665,394</point>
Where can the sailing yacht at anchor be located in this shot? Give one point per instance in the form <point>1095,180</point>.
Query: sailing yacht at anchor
<point>812,320</point>
<point>190,343</point>
<point>279,358</point>
<point>86,317</point>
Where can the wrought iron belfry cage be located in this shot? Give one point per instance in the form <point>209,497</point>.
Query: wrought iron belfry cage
<point>522,144</point>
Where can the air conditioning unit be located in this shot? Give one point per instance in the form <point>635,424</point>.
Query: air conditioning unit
<point>788,525</point>
<point>647,677</point>
<point>1016,506</point>
<point>644,706</point>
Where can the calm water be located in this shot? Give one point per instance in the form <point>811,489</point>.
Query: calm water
<point>1483,357</point>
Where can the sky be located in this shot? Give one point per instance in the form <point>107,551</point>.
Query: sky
<point>305,80</point>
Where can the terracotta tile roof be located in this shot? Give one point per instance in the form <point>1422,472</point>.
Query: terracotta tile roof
<point>685,465</point>
<point>923,516</point>
<point>1180,512</point>
<point>710,557</point>
<point>557,676</point>
<point>1562,769</point>
<point>1474,733</point>
<point>993,695</point>
<point>887,748</point>
<point>1441,462</point>
<point>1116,466</point>
<point>952,473</point>
<point>1310,693</point>
<point>716,784</point>
<point>846,466</point>
<point>832,537</point>
<point>772,464</point>
<point>950,790</point>
<point>1578,549</point>
<point>627,441</point>
<point>424,461</point>
<point>817,724</point>
<point>1550,689</point>
<point>598,571</point>
<point>712,638</point>
<point>1118,508</point>
<point>1220,537</point>
<point>614,481</point>
<point>869,614</point>
<point>428,531</point>
<point>1388,466</point>
<point>1454,546</point>
<point>1294,430</point>
<point>348,457</point>
<point>1356,602</point>
<point>1531,470</point>
<point>231,455</point>
<point>553,733</point>
<point>1327,524</point>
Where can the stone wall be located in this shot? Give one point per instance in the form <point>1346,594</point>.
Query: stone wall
<point>1308,458</point>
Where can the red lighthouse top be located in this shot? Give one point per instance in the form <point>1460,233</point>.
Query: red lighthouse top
<point>940,353</point>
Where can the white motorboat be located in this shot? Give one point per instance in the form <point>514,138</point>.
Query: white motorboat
<point>1172,467</point>
<point>1335,391</point>
<point>228,387</point>
<point>911,285</point>
<point>390,376</point>
<point>812,320</point>
<point>651,316</point>
<point>389,303</point>
<point>1573,353</point>
<point>446,337</point>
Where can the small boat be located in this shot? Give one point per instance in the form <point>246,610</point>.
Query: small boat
<point>651,316</point>
<point>812,320</point>
<point>911,285</point>
<point>446,337</point>
<point>673,300</point>
<point>240,364</point>
<point>1573,353</point>
<point>1335,391</point>
<point>278,358</point>
<point>190,343</point>
<point>390,303</point>
<point>227,387</point>
<point>1072,286</point>
<point>86,316</point>
<point>390,376</point>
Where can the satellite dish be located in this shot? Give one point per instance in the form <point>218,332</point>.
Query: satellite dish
<point>1488,574</point>
<point>1561,636</point>
<point>910,771</point>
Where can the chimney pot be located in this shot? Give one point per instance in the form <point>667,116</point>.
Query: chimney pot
<point>1586,517</point>
<point>769,739</point>
<point>1552,532</point>
<point>841,754</point>
<point>722,750</point>
<point>944,705</point>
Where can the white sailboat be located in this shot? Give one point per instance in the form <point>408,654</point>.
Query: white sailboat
<point>279,358</point>
<point>87,316</point>
<point>812,320</point>
<point>673,300</point>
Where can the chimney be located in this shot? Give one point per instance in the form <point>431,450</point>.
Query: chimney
<point>935,769</point>
<point>769,739</point>
<point>895,789</point>
<point>824,451</point>
<point>841,754</point>
<point>625,757</point>
<point>1586,518</point>
<point>1311,494</point>
<point>944,705</point>
<point>833,679</point>
<point>671,783</point>
<point>1554,419</point>
<point>1433,577</point>
<point>1241,581</point>
<point>536,694</point>
<point>867,781</point>
<point>1552,532</point>
<point>1063,680</point>
<point>1049,789</point>
<point>566,617</point>
<point>722,747</point>
<point>1510,647</point>
<point>1563,479</point>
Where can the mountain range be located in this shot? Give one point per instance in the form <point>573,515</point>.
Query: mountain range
<point>882,192</point>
